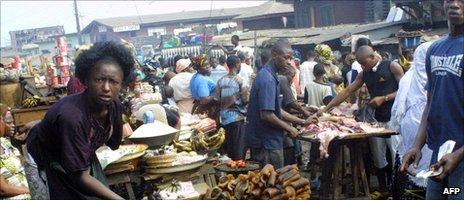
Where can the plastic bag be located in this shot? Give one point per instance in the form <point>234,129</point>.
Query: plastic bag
<point>365,114</point>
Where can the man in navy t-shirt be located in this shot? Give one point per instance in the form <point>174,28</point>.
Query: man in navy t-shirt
<point>443,117</point>
<point>265,123</point>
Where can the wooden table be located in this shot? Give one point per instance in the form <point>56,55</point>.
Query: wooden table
<point>332,167</point>
<point>206,172</point>
<point>121,176</point>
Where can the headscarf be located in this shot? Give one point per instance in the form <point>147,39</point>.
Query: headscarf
<point>324,53</point>
<point>182,64</point>
<point>199,61</point>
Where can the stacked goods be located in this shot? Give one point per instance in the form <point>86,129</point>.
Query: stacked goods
<point>162,157</point>
<point>206,125</point>
<point>284,183</point>
<point>202,142</point>
<point>167,157</point>
<point>9,75</point>
<point>403,33</point>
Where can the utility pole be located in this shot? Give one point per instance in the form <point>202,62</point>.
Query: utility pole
<point>78,26</point>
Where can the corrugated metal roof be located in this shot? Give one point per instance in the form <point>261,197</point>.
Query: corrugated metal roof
<point>268,8</point>
<point>170,17</point>
<point>303,36</point>
<point>431,34</point>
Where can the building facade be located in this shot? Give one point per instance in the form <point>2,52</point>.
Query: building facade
<point>316,13</point>
<point>30,36</point>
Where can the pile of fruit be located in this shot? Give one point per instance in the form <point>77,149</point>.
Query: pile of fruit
<point>236,164</point>
<point>201,141</point>
<point>284,183</point>
<point>30,102</point>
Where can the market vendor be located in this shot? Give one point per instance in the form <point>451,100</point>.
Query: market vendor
<point>202,87</point>
<point>13,183</point>
<point>63,144</point>
<point>381,78</point>
<point>180,85</point>
<point>444,111</point>
<point>265,123</point>
<point>292,147</point>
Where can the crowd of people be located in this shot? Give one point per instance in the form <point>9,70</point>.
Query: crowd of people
<point>259,100</point>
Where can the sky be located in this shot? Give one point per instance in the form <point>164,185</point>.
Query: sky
<point>18,15</point>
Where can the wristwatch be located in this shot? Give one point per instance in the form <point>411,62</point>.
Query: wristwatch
<point>385,97</point>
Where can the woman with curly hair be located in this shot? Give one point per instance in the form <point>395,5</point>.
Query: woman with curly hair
<point>63,144</point>
<point>201,85</point>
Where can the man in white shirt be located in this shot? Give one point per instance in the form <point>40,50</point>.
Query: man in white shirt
<point>306,70</point>
<point>245,71</point>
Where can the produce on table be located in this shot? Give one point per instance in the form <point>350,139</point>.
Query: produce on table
<point>236,164</point>
<point>201,141</point>
<point>284,183</point>
<point>30,102</point>
<point>167,157</point>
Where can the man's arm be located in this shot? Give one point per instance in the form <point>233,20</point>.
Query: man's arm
<point>397,71</point>
<point>7,190</point>
<point>93,186</point>
<point>296,106</point>
<point>270,118</point>
<point>345,93</point>
<point>292,119</point>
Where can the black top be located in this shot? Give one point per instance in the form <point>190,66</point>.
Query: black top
<point>286,91</point>
<point>380,83</point>
<point>65,142</point>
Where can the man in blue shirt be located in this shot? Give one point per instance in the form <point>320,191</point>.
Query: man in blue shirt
<point>443,117</point>
<point>265,123</point>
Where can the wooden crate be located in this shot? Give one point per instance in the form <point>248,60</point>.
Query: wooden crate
<point>23,116</point>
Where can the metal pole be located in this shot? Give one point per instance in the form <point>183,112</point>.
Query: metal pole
<point>78,26</point>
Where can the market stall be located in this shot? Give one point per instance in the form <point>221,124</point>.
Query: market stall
<point>333,133</point>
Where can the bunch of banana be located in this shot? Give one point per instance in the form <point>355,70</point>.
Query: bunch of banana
<point>201,141</point>
<point>216,140</point>
<point>183,145</point>
<point>30,102</point>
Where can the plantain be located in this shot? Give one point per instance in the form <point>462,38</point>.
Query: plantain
<point>219,143</point>
<point>202,143</point>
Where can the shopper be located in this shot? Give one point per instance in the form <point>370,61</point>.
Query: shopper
<point>444,112</point>
<point>202,87</point>
<point>180,85</point>
<point>233,97</point>
<point>306,70</point>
